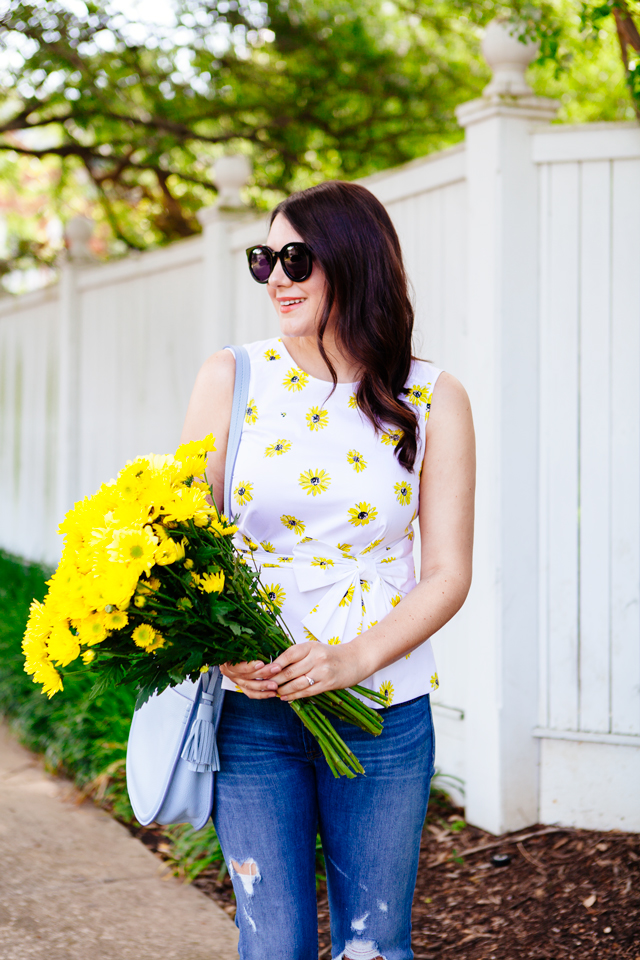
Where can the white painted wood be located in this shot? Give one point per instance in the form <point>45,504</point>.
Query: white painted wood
<point>559,432</point>
<point>419,176</point>
<point>546,398</point>
<point>590,785</point>
<point>595,453</point>
<point>586,141</point>
<point>582,736</point>
<point>625,445</point>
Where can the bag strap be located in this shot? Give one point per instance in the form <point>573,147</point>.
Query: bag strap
<point>238,412</point>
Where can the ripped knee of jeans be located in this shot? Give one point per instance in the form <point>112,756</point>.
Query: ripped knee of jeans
<point>247,872</point>
<point>361,950</point>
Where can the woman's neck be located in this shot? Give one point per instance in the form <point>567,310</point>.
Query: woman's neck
<point>305,353</point>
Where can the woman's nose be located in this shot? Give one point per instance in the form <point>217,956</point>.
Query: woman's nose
<point>279,278</point>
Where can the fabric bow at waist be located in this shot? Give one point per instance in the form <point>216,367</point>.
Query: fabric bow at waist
<point>358,590</point>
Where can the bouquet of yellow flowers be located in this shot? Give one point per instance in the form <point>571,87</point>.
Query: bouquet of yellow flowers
<point>151,590</point>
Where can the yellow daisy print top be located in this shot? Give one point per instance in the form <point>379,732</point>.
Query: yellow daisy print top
<point>325,509</point>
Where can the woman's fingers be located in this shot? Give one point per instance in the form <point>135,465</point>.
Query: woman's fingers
<point>291,655</point>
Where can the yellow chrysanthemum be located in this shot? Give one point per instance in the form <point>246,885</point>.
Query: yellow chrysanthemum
<point>295,379</point>
<point>48,676</point>
<point>196,448</point>
<point>403,493</point>
<point>252,412</point>
<point>386,689</point>
<point>362,514</point>
<point>136,547</point>
<point>116,620</point>
<point>291,523</point>
<point>317,419</point>
<point>323,562</point>
<point>352,401</point>
<point>145,636</point>
<point>391,438</point>
<point>267,546</point>
<point>63,645</point>
<point>333,640</point>
<point>243,492</point>
<point>211,582</point>
<point>88,656</point>
<point>185,503</point>
<point>273,594</point>
<point>357,461</point>
<point>435,683</point>
<point>345,547</point>
<point>168,552</point>
<point>249,542</point>
<point>277,448</point>
<point>93,629</point>
<point>348,597</point>
<point>314,481</point>
<point>271,355</point>
<point>417,394</point>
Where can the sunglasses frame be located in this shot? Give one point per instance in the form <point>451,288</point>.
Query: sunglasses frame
<point>275,255</point>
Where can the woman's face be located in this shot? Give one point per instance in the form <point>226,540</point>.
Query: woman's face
<point>298,305</point>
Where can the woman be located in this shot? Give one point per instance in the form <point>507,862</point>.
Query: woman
<point>346,440</point>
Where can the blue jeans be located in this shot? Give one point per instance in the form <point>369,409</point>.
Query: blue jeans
<point>275,790</point>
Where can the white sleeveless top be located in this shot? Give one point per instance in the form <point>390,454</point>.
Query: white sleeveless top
<point>326,510</point>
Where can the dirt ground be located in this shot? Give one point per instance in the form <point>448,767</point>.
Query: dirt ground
<point>544,893</point>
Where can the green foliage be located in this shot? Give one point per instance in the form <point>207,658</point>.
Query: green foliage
<point>309,90</point>
<point>79,736</point>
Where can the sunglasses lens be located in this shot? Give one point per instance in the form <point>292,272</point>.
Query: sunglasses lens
<point>297,261</point>
<point>260,264</point>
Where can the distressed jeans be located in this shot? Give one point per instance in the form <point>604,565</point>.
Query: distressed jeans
<point>275,790</point>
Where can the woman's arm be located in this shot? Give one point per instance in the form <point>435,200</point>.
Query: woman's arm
<point>447,488</point>
<point>209,411</point>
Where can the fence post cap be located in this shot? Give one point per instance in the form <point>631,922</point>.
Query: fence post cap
<point>508,58</point>
<point>77,234</point>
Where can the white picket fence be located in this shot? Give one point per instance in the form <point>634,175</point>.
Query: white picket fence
<point>523,247</point>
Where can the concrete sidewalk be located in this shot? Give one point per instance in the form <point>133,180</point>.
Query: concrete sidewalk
<point>74,884</point>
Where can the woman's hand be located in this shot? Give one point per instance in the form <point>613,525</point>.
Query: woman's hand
<point>330,667</point>
<point>251,679</point>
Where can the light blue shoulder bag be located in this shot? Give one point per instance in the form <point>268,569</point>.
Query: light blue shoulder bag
<point>171,754</point>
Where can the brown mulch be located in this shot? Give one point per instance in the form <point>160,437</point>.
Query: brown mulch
<point>560,892</point>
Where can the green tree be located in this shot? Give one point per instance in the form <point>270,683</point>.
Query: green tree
<point>307,89</point>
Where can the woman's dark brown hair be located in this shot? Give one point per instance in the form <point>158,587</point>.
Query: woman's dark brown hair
<point>354,241</point>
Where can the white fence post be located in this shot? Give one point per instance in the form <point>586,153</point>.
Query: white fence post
<point>230,175</point>
<point>501,754</point>
<point>78,254</point>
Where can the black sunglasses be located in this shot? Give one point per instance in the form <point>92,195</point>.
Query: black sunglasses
<point>296,260</point>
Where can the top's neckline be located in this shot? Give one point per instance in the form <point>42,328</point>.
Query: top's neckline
<point>340,383</point>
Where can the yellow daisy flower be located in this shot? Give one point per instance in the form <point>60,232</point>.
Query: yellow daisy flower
<point>403,493</point>
<point>357,461</point>
<point>274,594</point>
<point>211,582</point>
<point>407,656</point>
<point>243,492</point>
<point>386,689</point>
<point>333,640</point>
<point>323,562</point>
<point>271,355</point>
<point>296,526</point>
<point>435,683</point>
<point>391,438</point>
<point>348,597</point>
<point>387,560</point>
<point>309,635</point>
<point>314,481</point>
<point>361,514</point>
<point>372,624</point>
<point>317,419</point>
<point>267,546</point>
<point>345,547</point>
<point>365,586</point>
<point>353,402</point>
<point>315,609</point>
<point>410,534</point>
<point>417,394</point>
<point>252,412</point>
<point>372,545</point>
<point>249,542</point>
<point>295,379</point>
<point>396,600</point>
<point>277,448</point>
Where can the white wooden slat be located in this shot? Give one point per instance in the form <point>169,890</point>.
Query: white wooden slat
<point>595,434</point>
<point>625,442</point>
<point>546,408</point>
<point>586,141</point>
<point>560,433</point>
